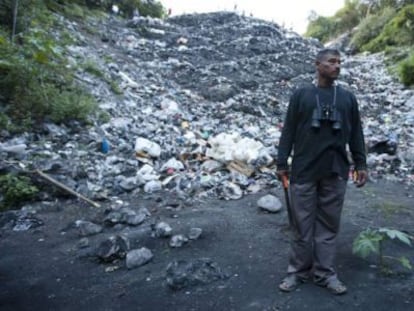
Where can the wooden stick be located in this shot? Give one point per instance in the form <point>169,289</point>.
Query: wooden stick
<point>55,182</point>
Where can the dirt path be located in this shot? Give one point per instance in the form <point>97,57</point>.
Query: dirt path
<point>44,268</point>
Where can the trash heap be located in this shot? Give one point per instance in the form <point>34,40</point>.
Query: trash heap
<point>201,106</point>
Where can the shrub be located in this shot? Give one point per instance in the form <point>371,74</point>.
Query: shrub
<point>35,82</point>
<point>25,8</point>
<point>344,20</point>
<point>347,17</point>
<point>406,70</point>
<point>15,190</point>
<point>370,27</point>
<point>92,68</point>
<point>151,8</point>
<point>145,8</point>
<point>321,28</point>
<point>399,31</point>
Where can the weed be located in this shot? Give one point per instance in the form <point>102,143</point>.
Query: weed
<point>372,241</point>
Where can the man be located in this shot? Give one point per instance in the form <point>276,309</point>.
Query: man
<point>322,121</point>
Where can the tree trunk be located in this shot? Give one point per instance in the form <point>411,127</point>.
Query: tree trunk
<point>16,4</point>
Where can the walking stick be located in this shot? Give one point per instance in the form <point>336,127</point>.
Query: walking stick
<point>285,182</point>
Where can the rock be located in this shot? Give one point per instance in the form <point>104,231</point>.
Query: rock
<point>178,240</point>
<point>25,222</point>
<point>270,203</point>
<point>138,257</point>
<point>8,219</point>
<point>129,184</point>
<point>163,230</point>
<point>86,228</point>
<point>83,243</point>
<point>127,216</point>
<point>195,233</point>
<point>183,274</point>
<point>115,247</point>
<point>114,218</point>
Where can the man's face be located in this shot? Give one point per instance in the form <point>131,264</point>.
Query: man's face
<point>329,67</point>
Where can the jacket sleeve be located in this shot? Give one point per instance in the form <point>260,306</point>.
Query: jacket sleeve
<point>288,133</point>
<point>356,142</point>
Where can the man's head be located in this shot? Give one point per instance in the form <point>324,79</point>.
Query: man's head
<point>328,63</point>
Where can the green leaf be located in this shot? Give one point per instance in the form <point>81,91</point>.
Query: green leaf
<point>396,234</point>
<point>405,262</point>
<point>41,57</point>
<point>366,243</point>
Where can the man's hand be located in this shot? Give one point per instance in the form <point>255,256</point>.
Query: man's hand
<point>360,178</point>
<point>281,173</point>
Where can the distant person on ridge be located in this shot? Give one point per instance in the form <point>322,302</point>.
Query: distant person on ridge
<point>321,121</point>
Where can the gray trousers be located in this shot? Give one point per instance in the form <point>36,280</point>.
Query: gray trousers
<point>316,214</point>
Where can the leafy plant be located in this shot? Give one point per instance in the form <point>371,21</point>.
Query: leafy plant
<point>91,67</point>
<point>371,241</point>
<point>145,8</point>
<point>36,83</point>
<point>15,190</point>
<point>321,28</point>
<point>370,27</point>
<point>325,28</point>
<point>406,70</point>
<point>399,31</point>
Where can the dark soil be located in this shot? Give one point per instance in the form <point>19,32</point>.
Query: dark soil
<point>44,268</point>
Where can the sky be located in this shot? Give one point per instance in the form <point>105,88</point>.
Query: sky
<point>292,14</point>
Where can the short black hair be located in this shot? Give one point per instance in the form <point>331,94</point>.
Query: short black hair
<point>322,53</point>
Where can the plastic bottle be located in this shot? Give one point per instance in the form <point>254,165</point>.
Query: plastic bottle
<point>104,145</point>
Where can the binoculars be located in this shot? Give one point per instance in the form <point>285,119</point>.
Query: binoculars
<point>326,114</point>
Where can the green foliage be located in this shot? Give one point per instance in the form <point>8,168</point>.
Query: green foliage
<point>115,87</point>
<point>145,8</point>
<point>36,82</point>
<point>370,27</point>
<point>92,68</point>
<point>25,9</point>
<point>15,190</point>
<point>406,70</point>
<point>321,28</point>
<point>382,25</point>
<point>151,8</point>
<point>370,241</point>
<point>74,10</point>
<point>348,17</point>
<point>326,28</point>
<point>399,31</point>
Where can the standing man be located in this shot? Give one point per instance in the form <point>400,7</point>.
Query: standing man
<point>321,121</point>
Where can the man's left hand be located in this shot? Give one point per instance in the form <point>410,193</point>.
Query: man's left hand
<point>361,178</point>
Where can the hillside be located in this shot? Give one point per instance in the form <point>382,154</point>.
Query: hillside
<point>192,87</point>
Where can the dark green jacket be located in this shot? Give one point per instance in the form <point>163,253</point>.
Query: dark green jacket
<point>319,153</point>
